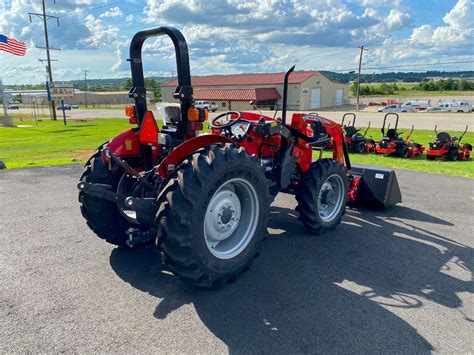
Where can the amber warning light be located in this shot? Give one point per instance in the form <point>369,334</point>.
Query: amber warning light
<point>130,113</point>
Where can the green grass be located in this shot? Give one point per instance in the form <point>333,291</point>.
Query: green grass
<point>458,168</point>
<point>410,91</point>
<point>52,143</point>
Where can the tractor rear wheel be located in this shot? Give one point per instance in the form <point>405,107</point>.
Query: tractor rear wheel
<point>452,155</point>
<point>322,196</point>
<point>102,216</point>
<point>358,147</point>
<point>213,216</point>
<point>402,151</point>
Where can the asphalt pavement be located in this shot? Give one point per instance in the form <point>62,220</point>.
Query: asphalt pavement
<point>395,281</point>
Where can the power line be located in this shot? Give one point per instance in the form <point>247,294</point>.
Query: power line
<point>45,18</point>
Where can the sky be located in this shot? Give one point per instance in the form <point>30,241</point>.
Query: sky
<point>240,36</point>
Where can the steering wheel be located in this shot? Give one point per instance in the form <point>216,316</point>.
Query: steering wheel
<point>236,128</point>
<point>228,122</point>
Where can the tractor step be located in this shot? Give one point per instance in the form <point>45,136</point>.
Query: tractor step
<point>145,208</point>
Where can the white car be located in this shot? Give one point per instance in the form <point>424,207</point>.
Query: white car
<point>210,106</point>
<point>453,106</point>
<point>416,105</point>
<point>436,109</point>
<point>390,108</point>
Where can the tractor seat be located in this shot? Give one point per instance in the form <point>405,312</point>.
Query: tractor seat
<point>170,114</point>
<point>350,130</point>
<point>443,137</point>
<point>392,133</point>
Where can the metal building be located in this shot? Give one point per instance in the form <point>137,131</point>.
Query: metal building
<point>308,90</point>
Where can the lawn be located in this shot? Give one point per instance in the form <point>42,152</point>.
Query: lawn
<point>409,91</point>
<point>52,143</point>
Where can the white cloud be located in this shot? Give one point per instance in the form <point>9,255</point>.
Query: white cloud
<point>100,35</point>
<point>397,20</point>
<point>428,44</point>
<point>112,12</point>
<point>461,17</point>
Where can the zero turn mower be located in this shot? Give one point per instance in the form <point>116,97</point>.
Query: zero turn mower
<point>357,142</point>
<point>448,147</point>
<point>393,143</point>
<point>204,199</point>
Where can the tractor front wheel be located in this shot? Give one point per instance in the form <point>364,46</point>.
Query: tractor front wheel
<point>322,196</point>
<point>213,216</point>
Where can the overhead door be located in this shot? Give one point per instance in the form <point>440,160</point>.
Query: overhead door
<point>316,98</point>
<point>339,97</point>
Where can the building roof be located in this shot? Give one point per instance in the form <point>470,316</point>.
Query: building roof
<point>296,77</point>
<point>236,94</point>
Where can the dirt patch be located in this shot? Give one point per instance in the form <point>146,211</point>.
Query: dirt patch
<point>82,154</point>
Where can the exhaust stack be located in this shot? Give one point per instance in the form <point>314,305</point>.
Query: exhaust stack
<point>285,94</point>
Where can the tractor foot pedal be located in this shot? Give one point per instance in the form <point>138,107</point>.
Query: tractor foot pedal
<point>137,236</point>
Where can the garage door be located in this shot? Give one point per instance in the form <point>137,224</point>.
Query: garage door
<point>316,98</point>
<point>339,97</point>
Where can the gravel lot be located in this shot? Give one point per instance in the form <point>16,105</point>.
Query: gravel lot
<point>383,282</point>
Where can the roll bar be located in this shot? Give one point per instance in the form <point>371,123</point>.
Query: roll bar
<point>184,91</point>
<point>385,118</point>
<point>285,94</point>
<point>353,118</point>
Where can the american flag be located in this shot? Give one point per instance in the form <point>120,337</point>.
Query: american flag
<point>12,46</point>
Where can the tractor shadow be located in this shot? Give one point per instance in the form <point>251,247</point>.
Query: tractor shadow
<point>326,293</point>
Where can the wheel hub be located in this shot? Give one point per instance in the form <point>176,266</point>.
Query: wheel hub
<point>231,218</point>
<point>330,198</point>
<point>222,216</point>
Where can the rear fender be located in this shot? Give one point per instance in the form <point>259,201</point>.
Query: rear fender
<point>125,145</point>
<point>185,149</point>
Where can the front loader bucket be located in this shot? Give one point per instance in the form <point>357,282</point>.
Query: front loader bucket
<point>377,188</point>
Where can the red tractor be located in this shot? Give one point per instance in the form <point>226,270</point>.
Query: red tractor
<point>448,147</point>
<point>357,142</point>
<point>204,199</point>
<point>393,143</point>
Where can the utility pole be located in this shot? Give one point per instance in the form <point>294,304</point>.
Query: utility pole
<point>362,49</point>
<point>85,86</point>
<point>45,18</point>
